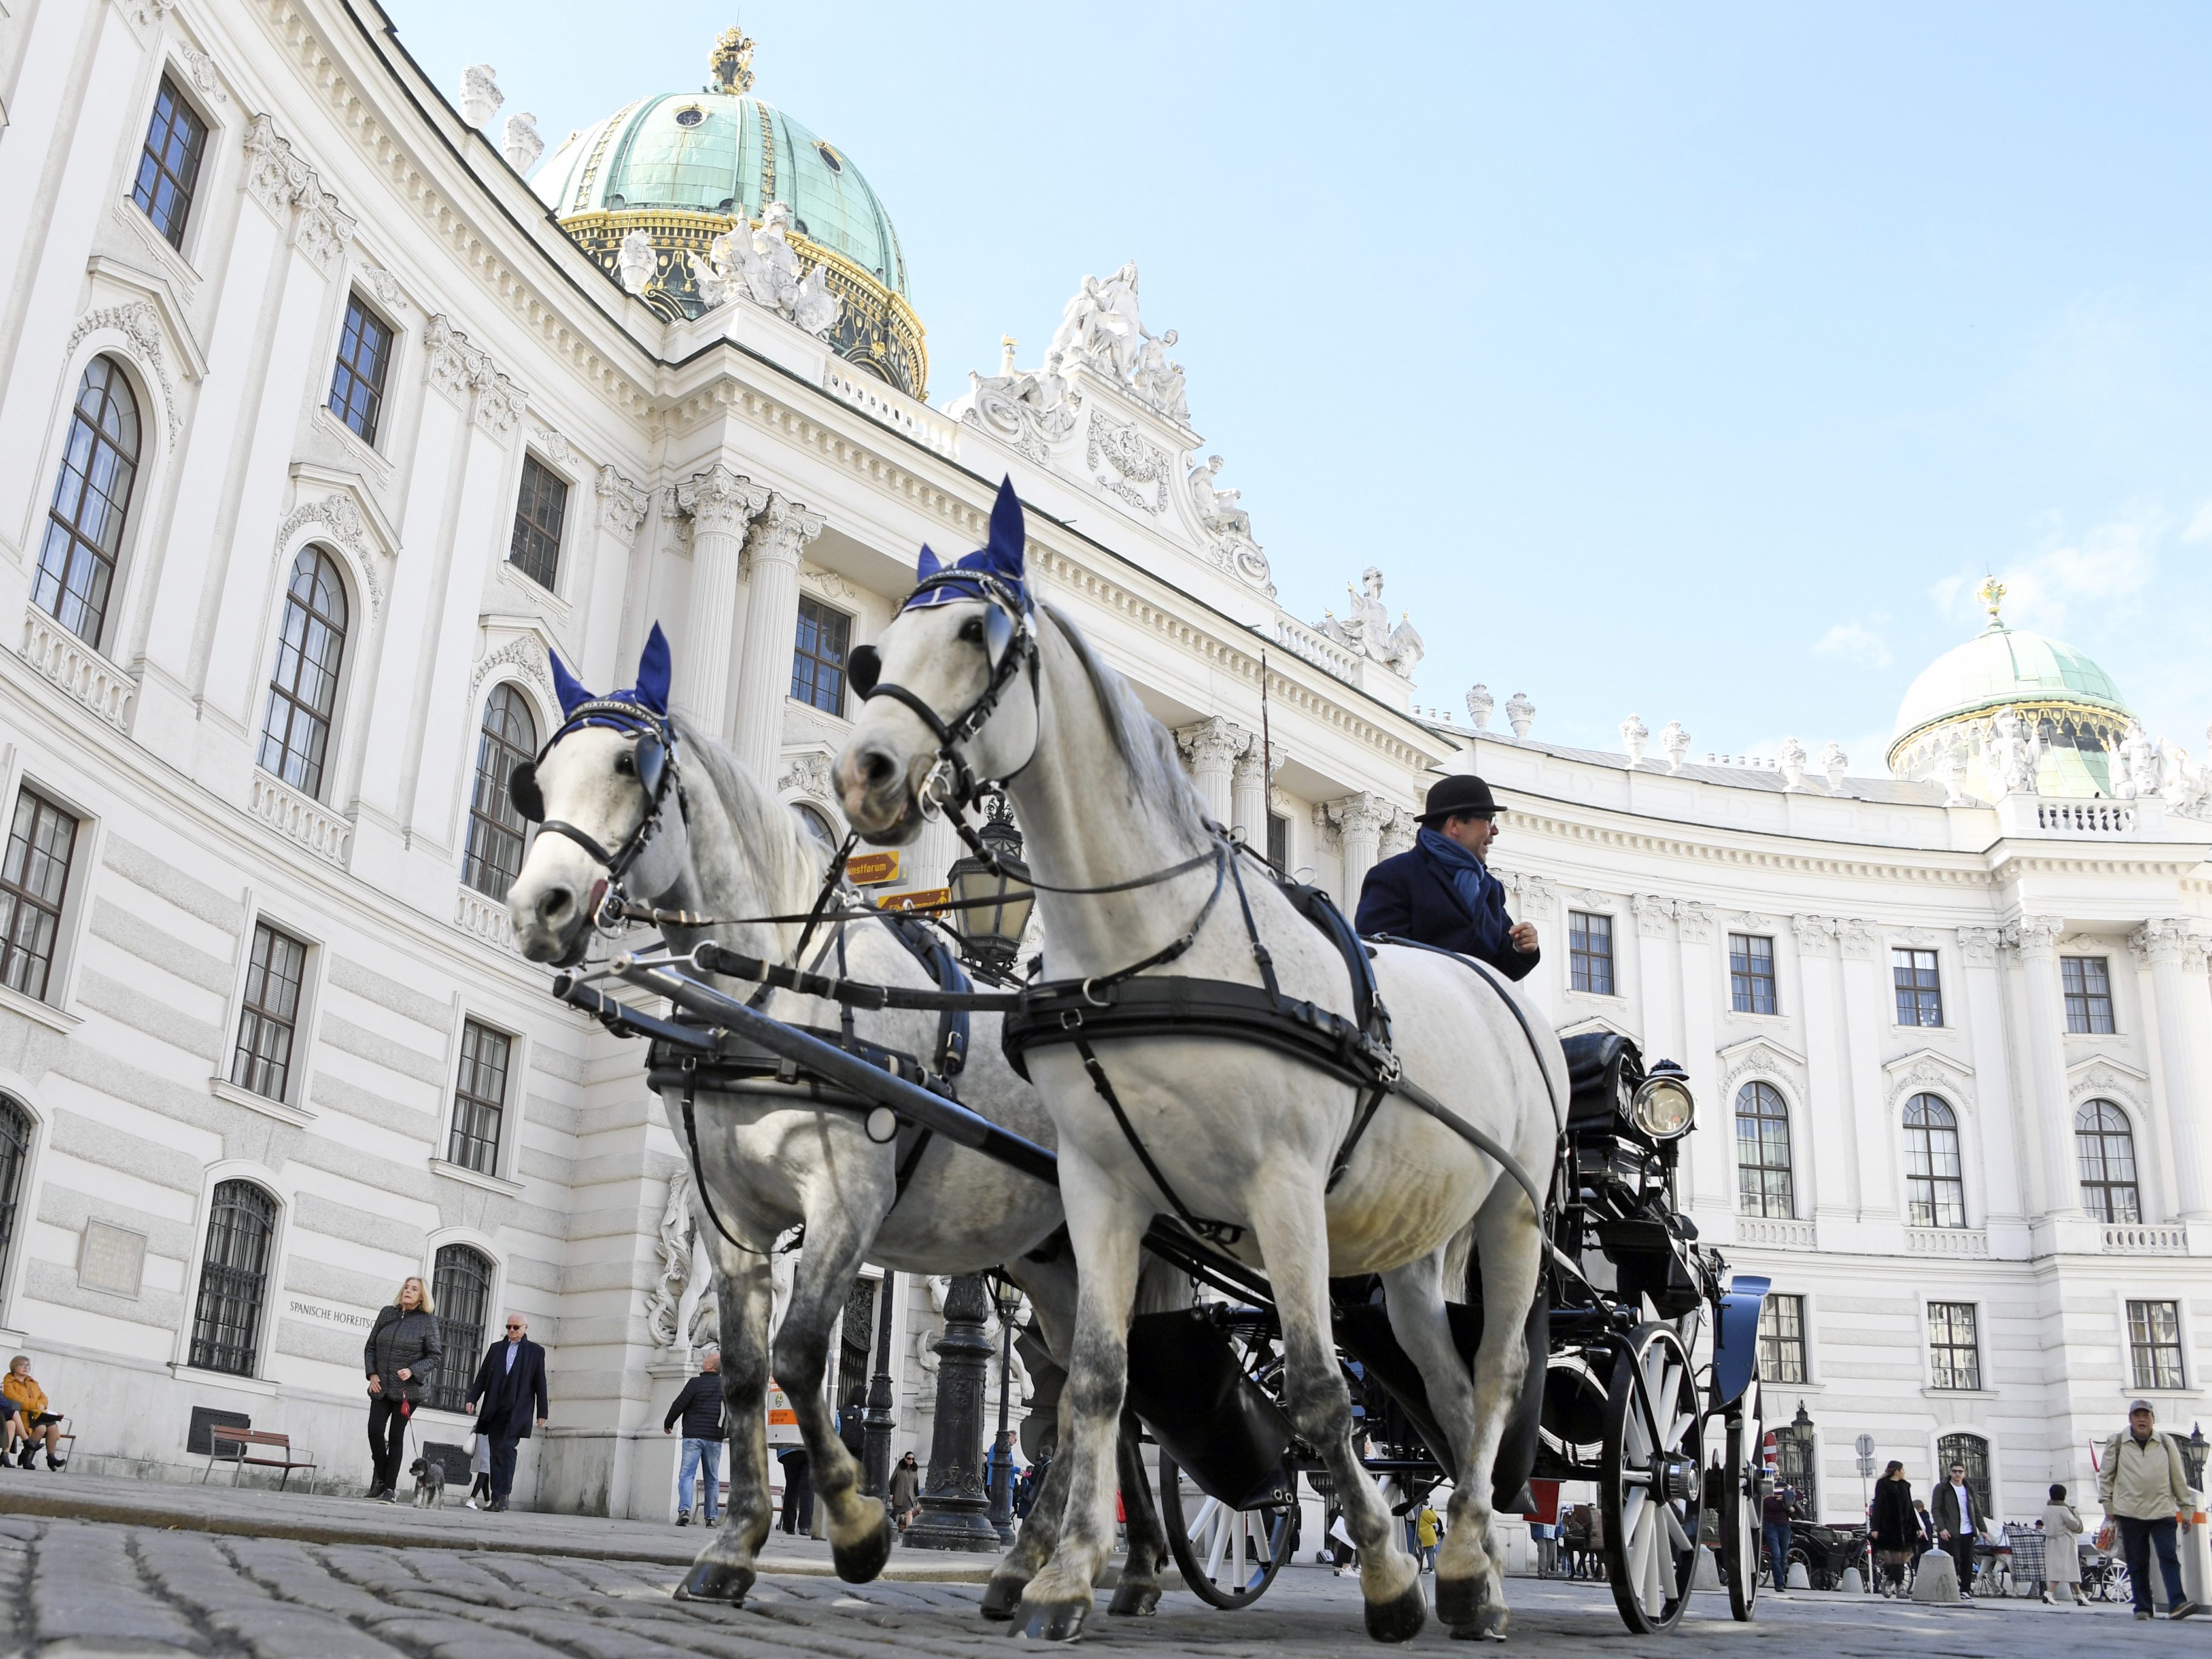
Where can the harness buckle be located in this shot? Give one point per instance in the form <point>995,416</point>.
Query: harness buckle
<point>1096,1002</point>
<point>1071,1019</point>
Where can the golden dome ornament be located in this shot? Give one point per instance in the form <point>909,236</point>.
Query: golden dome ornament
<point>731,64</point>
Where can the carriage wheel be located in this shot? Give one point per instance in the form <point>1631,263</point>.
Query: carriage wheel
<point>1650,1485</point>
<point>1739,1503</point>
<point>1228,1557</point>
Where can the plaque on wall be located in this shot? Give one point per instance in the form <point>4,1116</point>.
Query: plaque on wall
<point>111,1259</point>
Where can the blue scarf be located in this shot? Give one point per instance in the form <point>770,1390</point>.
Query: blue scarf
<point>1468,874</point>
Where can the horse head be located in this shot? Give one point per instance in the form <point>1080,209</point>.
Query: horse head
<point>605,793</point>
<point>935,681</point>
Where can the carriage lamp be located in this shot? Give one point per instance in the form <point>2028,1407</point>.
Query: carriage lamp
<point>2193,1451</point>
<point>1663,1107</point>
<point>996,892</point>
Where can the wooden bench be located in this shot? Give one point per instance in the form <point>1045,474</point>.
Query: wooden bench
<point>242,1443</point>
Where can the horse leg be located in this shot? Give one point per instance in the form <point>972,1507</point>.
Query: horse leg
<point>723,1570</point>
<point>1138,1596</point>
<point>1293,1237</point>
<point>860,1531</point>
<point>1511,1246</point>
<point>1106,1226</point>
<point>1050,1287</point>
<point>1415,1296</point>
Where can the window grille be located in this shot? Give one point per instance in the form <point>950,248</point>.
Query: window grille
<point>1973,1452</point>
<point>234,1279</point>
<point>2107,1152</point>
<point>357,381</point>
<point>2154,1344</point>
<point>1954,1357</point>
<point>1919,989</point>
<point>2088,982</point>
<point>460,1286</point>
<point>1935,1186</point>
<point>1781,1339</point>
<point>817,665</point>
<point>539,513</point>
<point>14,1158</point>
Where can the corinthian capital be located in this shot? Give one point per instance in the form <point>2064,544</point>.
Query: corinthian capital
<point>782,528</point>
<point>1857,938</point>
<point>1813,933</point>
<point>2169,939</point>
<point>622,504</point>
<point>1255,756</point>
<point>2035,937</point>
<point>1360,815</point>
<point>1653,912</point>
<point>719,502</point>
<point>1211,745</point>
<point>1978,945</point>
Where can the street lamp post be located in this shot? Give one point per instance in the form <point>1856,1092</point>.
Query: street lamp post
<point>876,1425</point>
<point>1002,1451</point>
<point>953,1501</point>
<point>2192,1452</point>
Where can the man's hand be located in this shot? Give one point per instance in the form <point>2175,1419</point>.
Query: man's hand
<point>665,1428</point>
<point>405,1373</point>
<point>375,1383</point>
<point>1523,937</point>
<point>541,1422</point>
<point>469,1408</point>
<point>1945,1536</point>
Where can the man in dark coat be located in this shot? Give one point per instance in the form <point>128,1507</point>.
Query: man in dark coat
<point>1442,892</point>
<point>1957,1512</point>
<point>511,1379</point>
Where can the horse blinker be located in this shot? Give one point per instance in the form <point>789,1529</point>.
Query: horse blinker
<point>522,791</point>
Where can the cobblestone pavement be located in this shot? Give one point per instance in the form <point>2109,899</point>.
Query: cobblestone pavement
<point>87,1589</point>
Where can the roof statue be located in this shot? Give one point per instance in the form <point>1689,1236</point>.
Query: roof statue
<point>1030,410</point>
<point>1365,628</point>
<point>760,265</point>
<point>731,63</point>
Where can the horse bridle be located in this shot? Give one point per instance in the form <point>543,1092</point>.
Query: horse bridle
<point>1009,645</point>
<point>653,759</point>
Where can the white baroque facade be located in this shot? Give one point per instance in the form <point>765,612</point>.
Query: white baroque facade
<point>378,431</point>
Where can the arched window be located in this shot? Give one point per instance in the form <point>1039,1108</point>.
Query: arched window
<point>233,1278</point>
<point>14,1158</point>
<point>1934,1190</point>
<point>84,526</point>
<point>1974,1452</point>
<point>816,824</point>
<point>508,739</point>
<point>460,1285</point>
<point>304,689</point>
<point>2106,1151</point>
<point>1762,1153</point>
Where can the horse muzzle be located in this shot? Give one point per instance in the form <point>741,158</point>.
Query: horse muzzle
<point>881,792</point>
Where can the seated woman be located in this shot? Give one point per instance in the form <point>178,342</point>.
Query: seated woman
<point>29,1417</point>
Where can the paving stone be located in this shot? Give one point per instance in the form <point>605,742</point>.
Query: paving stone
<point>84,1586</point>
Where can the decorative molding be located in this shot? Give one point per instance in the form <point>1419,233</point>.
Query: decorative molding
<point>2164,940</point>
<point>807,772</point>
<point>623,504</point>
<point>1652,913</point>
<point>1978,946</point>
<point>282,180</point>
<point>780,529</point>
<point>341,520</point>
<point>1813,933</point>
<point>383,284</point>
<point>1775,1233</point>
<point>1760,1059</point>
<point>717,501</point>
<point>1693,918</point>
<point>526,653</point>
<point>308,823</point>
<point>147,13</point>
<point>1125,463</point>
<point>1858,939</point>
<point>2135,1238</point>
<point>485,917</point>
<point>552,446</point>
<point>2102,1077</point>
<point>206,76</point>
<point>1211,745</point>
<point>1927,1069</point>
<point>2035,937</point>
<point>1588,899</point>
<point>457,369</point>
<point>78,669</point>
<point>828,584</point>
<point>1947,1240</point>
<point>140,324</point>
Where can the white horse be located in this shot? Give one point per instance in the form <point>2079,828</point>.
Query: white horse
<point>1102,800</point>
<point>770,1159</point>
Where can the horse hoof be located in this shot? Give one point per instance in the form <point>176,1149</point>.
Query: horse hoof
<point>1458,1602</point>
<point>857,1564</point>
<point>1054,1621</point>
<point>1400,1618</point>
<point>1489,1626</point>
<point>715,1580</point>
<point>1002,1596</point>
<point>1137,1598</point>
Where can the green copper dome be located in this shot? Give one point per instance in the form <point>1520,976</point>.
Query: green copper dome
<point>2002,666</point>
<point>721,154</point>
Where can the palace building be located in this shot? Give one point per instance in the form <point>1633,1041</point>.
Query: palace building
<point>328,403</point>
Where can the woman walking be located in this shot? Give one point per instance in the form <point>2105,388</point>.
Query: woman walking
<point>906,1492</point>
<point>401,1354</point>
<point>2061,1551</point>
<point>1891,1518</point>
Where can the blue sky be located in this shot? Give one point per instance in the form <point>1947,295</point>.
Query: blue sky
<point>1696,361</point>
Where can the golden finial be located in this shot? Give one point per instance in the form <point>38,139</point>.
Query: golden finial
<point>1006,354</point>
<point>732,65</point>
<point>1991,593</point>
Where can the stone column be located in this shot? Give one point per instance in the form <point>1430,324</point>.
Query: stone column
<point>2034,941</point>
<point>771,630</point>
<point>953,1500</point>
<point>1867,1017</point>
<point>719,504</point>
<point>623,507</point>
<point>1249,782</point>
<point>1358,819</point>
<point>2177,956</point>
<point>1827,1159</point>
<point>1656,969</point>
<point>1209,749</point>
<point>1708,1177</point>
<point>1984,1006</point>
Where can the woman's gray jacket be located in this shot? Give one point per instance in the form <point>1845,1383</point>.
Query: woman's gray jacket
<point>402,1342</point>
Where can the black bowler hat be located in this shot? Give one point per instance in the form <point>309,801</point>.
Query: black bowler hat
<point>1458,795</point>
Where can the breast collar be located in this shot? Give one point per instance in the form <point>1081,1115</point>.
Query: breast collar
<point>1009,643</point>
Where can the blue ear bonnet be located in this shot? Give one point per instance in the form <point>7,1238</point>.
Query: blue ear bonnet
<point>649,695</point>
<point>998,563</point>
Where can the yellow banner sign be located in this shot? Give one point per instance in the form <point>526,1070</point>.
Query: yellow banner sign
<point>873,869</point>
<point>915,900</point>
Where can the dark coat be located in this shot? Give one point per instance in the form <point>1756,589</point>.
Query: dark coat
<point>504,1397</point>
<point>700,1406</point>
<point>1412,897</point>
<point>1944,1508</point>
<point>1892,1520</point>
<point>402,1342</point>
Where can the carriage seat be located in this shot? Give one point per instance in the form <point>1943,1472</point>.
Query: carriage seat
<point>1594,1061</point>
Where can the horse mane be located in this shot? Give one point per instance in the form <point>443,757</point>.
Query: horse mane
<point>1146,748</point>
<point>793,862</point>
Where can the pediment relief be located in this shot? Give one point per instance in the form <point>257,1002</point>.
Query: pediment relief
<point>1926,1070</point>
<point>1591,1023</point>
<point>1759,1057</point>
<point>2101,1074</point>
<point>520,643</point>
<point>335,508</point>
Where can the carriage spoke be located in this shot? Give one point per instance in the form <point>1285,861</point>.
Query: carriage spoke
<point>1217,1539</point>
<point>1643,1561</point>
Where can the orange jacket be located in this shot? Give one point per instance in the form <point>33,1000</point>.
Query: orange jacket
<point>25,1394</point>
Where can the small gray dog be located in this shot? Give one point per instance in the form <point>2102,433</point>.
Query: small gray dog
<point>430,1484</point>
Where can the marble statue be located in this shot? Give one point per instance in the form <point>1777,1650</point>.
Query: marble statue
<point>2015,755</point>
<point>1365,629</point>
<point>1120,328</point>
<point>1951,772</point>
<point>1080,333</point>
<point>1031,409</point>
<point>522,144</point>
<point>1216,508</point>
<point>636,261</point>
<point>480,94</point>
<point>760,264</point>
<point>1158,381</point>
<point>2137,771</point>
<point>1634,734</point>
<point>1480,702</point>
<point>1675,740</point>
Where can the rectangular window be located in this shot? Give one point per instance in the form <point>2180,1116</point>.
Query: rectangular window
<point>1954,1358</point>
<point>535,548</point>
<point>357,383</point>
<point>2154,1344</point>
<point>2088,986</point>
<point>1751,973</point>
<point>818,666</point>
<point>1589,953</point>
<point>270,1014</point>
<point>33,875</point>
<point>1781,1339</point>
<point>169,165</point>
<point>1279,840</point>
<point>480,1098</point>
<point>1919,990</point>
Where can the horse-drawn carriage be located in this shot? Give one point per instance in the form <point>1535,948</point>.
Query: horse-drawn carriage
<point>1639,1353</point>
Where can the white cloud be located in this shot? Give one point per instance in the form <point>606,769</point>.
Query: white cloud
<point>2103,570</point>
<point>2200,527</point>
<point>1855,644</point>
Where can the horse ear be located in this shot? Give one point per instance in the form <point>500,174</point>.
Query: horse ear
<point>927,566</point>
<point>652,672</point>
<point>1008,538</point>
<point>566,686</point>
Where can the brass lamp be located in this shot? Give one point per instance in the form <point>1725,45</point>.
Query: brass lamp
<point>995,892</point>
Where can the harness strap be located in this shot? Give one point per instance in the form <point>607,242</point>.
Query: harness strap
<point>699,1178</point>
<point>908,1165</point>
<point>1488,976</point>
<point>1217,1232</point>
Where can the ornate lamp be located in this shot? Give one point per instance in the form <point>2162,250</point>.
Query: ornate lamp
<point>998,892</point>
<point>1002,1449</point>
<point>2192,1452</point>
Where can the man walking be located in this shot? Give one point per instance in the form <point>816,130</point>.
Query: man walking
<point>1958,1522</point>
<point>509,1381</point>
<point>700,1406</point>
<point>2142,1483</point>
<point>1774,1525</point>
